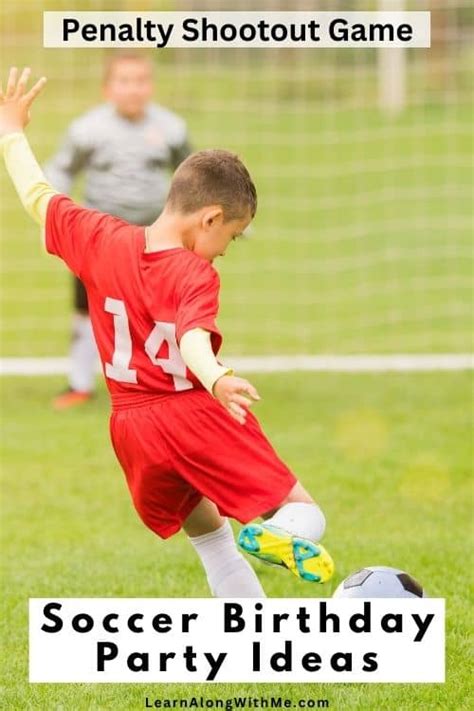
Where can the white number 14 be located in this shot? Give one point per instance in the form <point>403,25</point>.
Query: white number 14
<point>162,332</point>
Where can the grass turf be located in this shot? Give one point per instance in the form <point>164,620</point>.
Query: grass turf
<point>361,244</point>
<point>387,456</point>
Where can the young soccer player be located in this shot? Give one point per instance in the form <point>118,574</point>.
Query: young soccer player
<point>192,452</point>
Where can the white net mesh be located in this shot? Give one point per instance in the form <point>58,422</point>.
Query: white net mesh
<point>362,239</point>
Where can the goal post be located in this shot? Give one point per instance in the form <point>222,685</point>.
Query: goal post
<point>392,68</point>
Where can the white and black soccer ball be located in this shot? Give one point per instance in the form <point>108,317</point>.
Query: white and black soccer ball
<point>379,581</point>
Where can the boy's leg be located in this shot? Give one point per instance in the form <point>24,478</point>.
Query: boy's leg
<point>82,356</point>
<point>228,573</point>
<point>289,537</point>
<point>204,518</point>
<point>236,467</point>
<point>166,502</point>
<point>299,515</point>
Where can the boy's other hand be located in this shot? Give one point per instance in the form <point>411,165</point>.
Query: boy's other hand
<point>236,395</point>
<point>15,102</point>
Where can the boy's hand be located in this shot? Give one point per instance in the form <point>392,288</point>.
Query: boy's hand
<point>15,103</point>
<point>236,395</point>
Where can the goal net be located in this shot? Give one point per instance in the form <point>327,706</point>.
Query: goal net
<point>362,240</point>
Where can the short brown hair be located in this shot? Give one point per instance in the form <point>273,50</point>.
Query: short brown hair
<point>213,177</point>
<point>124,55</point>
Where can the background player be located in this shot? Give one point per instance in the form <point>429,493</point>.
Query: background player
<point>126,148</point>
<point>153,295</point>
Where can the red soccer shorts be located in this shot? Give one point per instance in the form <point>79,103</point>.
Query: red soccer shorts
<point>180,448</point>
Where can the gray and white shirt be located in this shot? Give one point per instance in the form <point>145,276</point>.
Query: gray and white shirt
<point>127,164</point>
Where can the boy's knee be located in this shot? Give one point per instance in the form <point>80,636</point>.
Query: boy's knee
<point>298,495</point>
<point>300,518</point>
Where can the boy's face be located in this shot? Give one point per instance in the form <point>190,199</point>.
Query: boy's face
<point>215,234</point>
<point>129,87</point>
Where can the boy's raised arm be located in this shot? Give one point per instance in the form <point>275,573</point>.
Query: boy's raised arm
<point>32,187</point>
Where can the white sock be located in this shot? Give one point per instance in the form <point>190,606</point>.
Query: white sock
<point>83,355</point>
<point>300,519</point>
<point>228,573</point>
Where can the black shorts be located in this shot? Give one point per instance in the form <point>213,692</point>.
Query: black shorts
<point>80,296</point>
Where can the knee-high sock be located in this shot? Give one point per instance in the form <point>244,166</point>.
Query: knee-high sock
<point>83,355</point>
<point>228,573</point>
<point>300,519</point>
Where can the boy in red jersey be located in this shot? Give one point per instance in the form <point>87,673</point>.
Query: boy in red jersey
<point>192,452</point>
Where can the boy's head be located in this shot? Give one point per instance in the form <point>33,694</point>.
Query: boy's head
<point>214,191</point>
<point>128,83</point>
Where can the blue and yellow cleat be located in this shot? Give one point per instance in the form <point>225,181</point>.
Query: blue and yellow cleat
<point>307,560</point>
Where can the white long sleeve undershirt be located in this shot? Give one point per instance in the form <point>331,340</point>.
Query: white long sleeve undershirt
<point>30,183</point>
<point>196,351</point>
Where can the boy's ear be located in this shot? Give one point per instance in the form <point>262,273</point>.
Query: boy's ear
<point>212,215</point>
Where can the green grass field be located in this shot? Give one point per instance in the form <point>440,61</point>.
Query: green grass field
<point>387,456</point>
<point>362,244</point>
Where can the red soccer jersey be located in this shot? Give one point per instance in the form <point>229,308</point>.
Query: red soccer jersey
<point>140,304</point>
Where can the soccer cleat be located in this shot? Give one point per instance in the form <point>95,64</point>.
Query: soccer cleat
<point>71,398</point>
<point>307,560</point>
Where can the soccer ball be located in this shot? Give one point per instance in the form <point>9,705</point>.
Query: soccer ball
<point>379,581</point>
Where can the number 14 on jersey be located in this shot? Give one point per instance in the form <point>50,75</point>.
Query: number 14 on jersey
<point>162,332</point>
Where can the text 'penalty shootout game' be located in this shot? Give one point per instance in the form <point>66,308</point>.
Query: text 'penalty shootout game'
<point>236,354</point>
